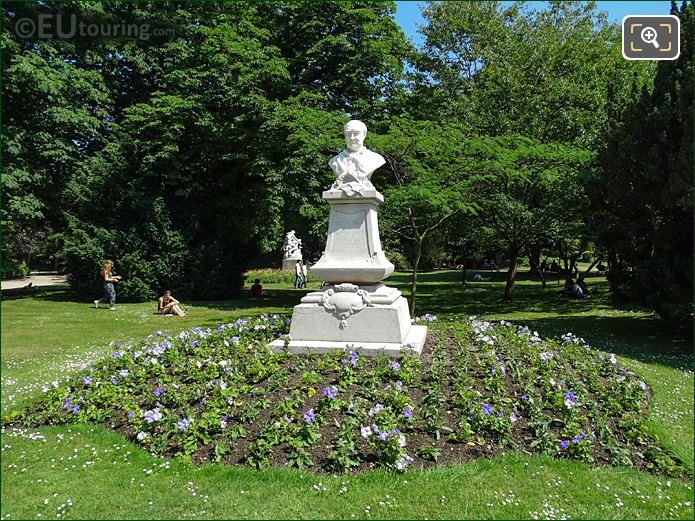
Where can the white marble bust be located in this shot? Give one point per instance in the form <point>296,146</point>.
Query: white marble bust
<point>354,165</point>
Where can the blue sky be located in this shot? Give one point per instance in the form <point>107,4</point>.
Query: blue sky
<point>408,13</point>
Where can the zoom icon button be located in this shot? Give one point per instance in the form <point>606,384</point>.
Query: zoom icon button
<point>653,37</point>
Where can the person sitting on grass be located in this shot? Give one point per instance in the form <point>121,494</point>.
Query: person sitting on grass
<point>169,305</point>
<point>256,289</point>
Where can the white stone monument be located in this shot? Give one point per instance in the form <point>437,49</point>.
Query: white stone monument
<point>354,310</point>
<point>291,251</point>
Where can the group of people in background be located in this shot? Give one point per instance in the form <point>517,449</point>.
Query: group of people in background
<point>166,304</point>
<point>301,275</point>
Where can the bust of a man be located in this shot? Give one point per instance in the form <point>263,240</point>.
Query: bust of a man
<point>354,165</point>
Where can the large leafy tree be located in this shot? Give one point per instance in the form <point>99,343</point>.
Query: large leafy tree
<point>211,143</point>
<point>643,196</point>
<point>500,67</point>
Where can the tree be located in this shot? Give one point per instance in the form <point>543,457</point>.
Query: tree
<point>430,168</point>
<point>528,189</point>
<point>642,198</point>
<point>500,68</point>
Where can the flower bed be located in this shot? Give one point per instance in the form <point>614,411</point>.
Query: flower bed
<point>479,389</point>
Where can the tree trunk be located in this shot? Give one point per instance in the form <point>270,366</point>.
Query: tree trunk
<point>534,257</point>
<point>511,274</point>
<point>535,268</point>
<point>413,287</point>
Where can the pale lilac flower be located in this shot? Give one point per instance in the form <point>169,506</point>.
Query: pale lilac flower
<point>399,385</point>
<point>395,366</point>
<point>87,380</point>
<point>376,409</point>
<point>158,392</point>
<point>287,418</point>
<point>512,417</point>
<point>407,413</point>
<point>183,424</point>
<point>570,399</point>
<point>141,435</point>
<point>330,392</point>
<point>230,400</point>
<point>123,373</point>
<point>545,356</point>
<point>113,380</point>
<point>55,383</point>
<point>153,416</point>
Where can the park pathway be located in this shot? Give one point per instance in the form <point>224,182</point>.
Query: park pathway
<point>40,279</point>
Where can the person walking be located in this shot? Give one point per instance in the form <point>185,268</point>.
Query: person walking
<point>305,276</point>
<point>108,281</point>
<point>298,275</point>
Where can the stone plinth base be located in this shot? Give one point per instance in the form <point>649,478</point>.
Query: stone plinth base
<point>289,264</point>
<point>374,318</point>
<point>411,346</point>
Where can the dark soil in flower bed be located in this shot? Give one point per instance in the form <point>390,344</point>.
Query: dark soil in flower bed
<point>479,389</point>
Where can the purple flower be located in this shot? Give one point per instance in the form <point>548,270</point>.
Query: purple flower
<point>395,366</point>
<point>376,409</point>
<point>113,380</point>
<point>309,416</point>
<point>500,414</point>
<point>131,414</point>
<point>183,424</point>
<point>75,409</point>
<point>407,413</point>
<point>287,418</point>
<point>352,360</point>
<point>564,444</point>
<point>230,400</point>
<point>195,343</point>
<point>116,355</point>
<point>158,392</point>
<point>87,380</point>
<point>570,399</point>
<point>579,437</point>
<point>545,356</point>
<point>524,398</point>
<point>330,392</point>
<point>399,385</point>
<point>66,402</point>
<point>487,409</point>
<point>602,356</point>
<point>153,416</point>
<point>375,428</point>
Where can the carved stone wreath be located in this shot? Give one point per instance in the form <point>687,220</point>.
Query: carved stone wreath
<point>343,300</point>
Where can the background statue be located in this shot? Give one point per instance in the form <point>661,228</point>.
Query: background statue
<point>292,247</point>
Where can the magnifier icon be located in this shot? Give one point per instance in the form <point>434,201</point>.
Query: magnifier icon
<point>648,35</point>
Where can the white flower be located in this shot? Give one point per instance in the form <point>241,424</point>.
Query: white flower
<point>141,435</point>
<point>223,424</point>
<point>366,432</point>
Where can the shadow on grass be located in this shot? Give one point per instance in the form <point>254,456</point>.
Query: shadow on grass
<point>628,332</point>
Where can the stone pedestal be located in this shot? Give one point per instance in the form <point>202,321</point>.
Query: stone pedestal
<point>355,310</point>
<point>289,264</point>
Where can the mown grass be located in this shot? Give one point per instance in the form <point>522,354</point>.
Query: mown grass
<point>47,335</point>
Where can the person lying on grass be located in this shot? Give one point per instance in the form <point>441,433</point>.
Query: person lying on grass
<point>168,304</point>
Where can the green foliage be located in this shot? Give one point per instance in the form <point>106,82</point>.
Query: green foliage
<point>203,391</point>
<point>642,200</point>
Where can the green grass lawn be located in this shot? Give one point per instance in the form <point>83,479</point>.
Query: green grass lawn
<point>48,335</point>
